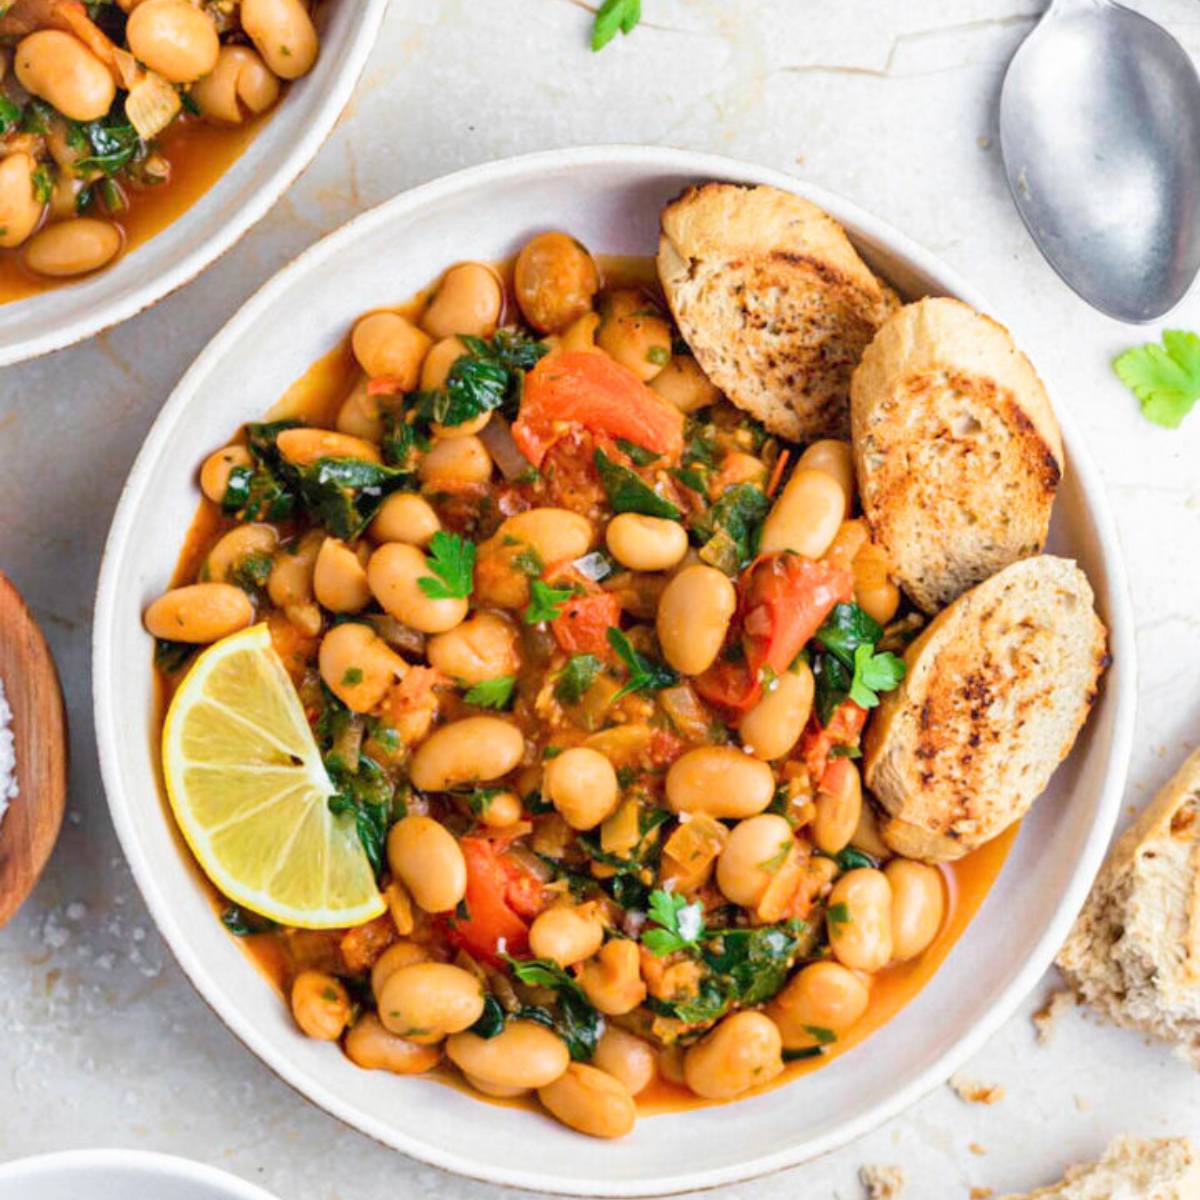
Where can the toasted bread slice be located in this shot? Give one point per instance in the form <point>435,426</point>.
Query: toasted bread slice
<point>997,688</point>
<point>1134,953</point>
<point>956,448</point>
<point>1132,1168</point>
<point>774,302</point>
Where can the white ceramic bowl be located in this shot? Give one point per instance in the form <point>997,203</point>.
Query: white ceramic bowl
<point>119,1175</point>
<point>287,142</point>
<point>609,198</point>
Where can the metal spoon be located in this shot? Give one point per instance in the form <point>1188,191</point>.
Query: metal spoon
<point>1100,130</point>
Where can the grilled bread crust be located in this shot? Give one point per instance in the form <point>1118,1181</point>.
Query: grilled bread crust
<point>774,302</point>
<point>1132,1168</point>
<point>1134,953</point>
<point>996,690</point>
<point>957,451</point>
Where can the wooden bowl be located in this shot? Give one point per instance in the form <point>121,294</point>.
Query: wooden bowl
<point>39,725</point>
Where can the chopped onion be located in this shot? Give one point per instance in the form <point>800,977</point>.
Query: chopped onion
<point>152,104</point>
<point>498,439</point>
<point>595,566</point>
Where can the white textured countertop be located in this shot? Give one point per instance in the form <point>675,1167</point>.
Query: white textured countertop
<point>891,102</point>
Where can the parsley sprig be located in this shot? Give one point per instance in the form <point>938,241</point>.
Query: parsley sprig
<point>492,693</point>
<point>874,673</point>
<point>645,675</point>
<point>1166,378</point>
<point>613,17</point>
<point>680,924</point>
<point>545,602</point>
<point>452,561</point>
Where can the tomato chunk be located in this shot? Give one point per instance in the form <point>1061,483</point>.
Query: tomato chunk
<point>597,392</point>
<point>786,599</point>
<point>844,729</point>
<point>501,894</point>
<point>583,624</point>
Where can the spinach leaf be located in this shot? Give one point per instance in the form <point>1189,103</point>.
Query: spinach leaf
<point>728,531</point>
<point>845,629</point>
<point>638,455</point>
<point>171,657</point>
<point>755,962</point>
<point>113,143</point>
<point>491,1020</point>
<point>851,859</point>
<point>575,1020</point>
<point>832,679</point>
<point>345,493</point>
<point>241,922</point>
<point>629,492</point>
<point>576,677</point>
<point>370,798</point>
<point>489,376</point>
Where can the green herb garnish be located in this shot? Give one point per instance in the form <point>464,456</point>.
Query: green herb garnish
<point>452,561</point>
<point>492,693</point>
<point>645,675</point>
<point>681,925</point>
<point>576,677</point>
<point>613,17</point>
<point>874,673</point>
<point>1166,378</point>
<point>629,492</point>
<point>545,602</point>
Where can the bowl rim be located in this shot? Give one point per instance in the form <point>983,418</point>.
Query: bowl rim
<point>1038,957</point>
<point>197,259</point>
<point>151,1164</point>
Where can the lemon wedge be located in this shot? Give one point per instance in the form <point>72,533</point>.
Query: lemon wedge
<point>251,795</point>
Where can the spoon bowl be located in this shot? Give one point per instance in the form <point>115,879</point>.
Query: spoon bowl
<point>30,828</point>
<point>1100,131</point>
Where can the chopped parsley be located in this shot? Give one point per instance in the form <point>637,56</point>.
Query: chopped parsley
<point>452,561</point>
<point>629,492</point>
<point>545,602</point>
<point>645,675</point>
<point>492,693</point>
<point>680,924</point>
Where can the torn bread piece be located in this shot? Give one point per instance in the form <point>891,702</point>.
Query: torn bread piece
<point>774,302</point>
<point>883,1183</point>
<point>1134,953</point>
<point>1132,1168</point>
<point>996,691</point>
<point>957,451</point>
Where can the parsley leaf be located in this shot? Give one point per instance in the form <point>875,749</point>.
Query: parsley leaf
<point>492,693</point>
<point>241,922</point>
<point>545,602</point>
<point>629,492</point>
<point>1166,378</point>
<point>645,675</point>
<point>681,925</point>
<point>576,677</point>
<point>874,673</point>
<point>612,17</point>
<point>452,560</point>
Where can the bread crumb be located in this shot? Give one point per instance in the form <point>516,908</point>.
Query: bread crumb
<point>1082,1103</point>
<point>976,1148</point>
<point>977,1093</point>
<point>1046,1017</point>
<point>883,1183</point>
<point>982,1193</point>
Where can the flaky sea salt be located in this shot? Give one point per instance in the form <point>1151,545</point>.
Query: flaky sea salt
<point>8,758</point>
